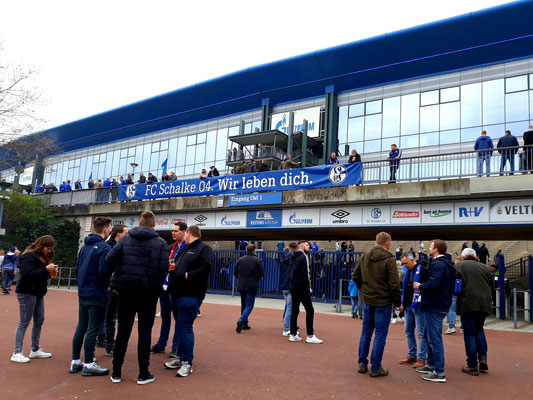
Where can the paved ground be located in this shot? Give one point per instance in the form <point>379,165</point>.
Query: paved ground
<point>257,364</point>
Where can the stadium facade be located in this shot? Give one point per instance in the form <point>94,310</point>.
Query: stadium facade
<point>430,89</point>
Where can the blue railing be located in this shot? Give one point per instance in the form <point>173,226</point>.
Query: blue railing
<point>326,268</point>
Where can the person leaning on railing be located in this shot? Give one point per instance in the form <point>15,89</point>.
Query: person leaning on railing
<point>507,147</point>
<point>528,149</point>
<point>484,142</point>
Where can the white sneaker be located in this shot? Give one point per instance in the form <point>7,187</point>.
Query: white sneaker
<point>40,354</point>
<point>314,339</point>
<point>401,320</point>
<point>158,314</point>
<point>393,321</point>
<point>294,338</point>
<point>185,370</point>
<point>286,333</point>
<point>20,358</point>
<point>450,331</point>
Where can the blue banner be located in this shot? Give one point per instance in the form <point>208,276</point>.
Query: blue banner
<point>272,181</point>
<point>264,219</point>
<point>255,199</point>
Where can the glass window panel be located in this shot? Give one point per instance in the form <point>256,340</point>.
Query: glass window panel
<point>144,164</point>
<point>83,168</point>
<point>233,131</point>
<point>494,132</point>
<point>180,171</point>
<point>248,128</point>
<point>201,138</point>
<point>373,107</point>
<point>410,111</point>
<point>123,166</point>
<point>101,170</point>
<point>163,156</point>
<point>164,145</point>
<point>189,157</point>
<point>391,117</point>
<point>116,158</point>
<point>256,125</point>
<point>182,150</point>
<point>138,154</point>
<point>471,105</point>
<point>123,153</point>
<point>222,136</point>
<point>409,142</point>
<point>154,162</point>
<point>373,127</point>
<point>342,133</point>
<point>531,104</point>
<point>221,166</point>
<point>429,118</point>
<point>493,102</point>
<point>450,116</point>
<point>449,94</point>
<point>77,162</point>
<point>429,139</point>
<point>358,146</point>
<point>372,146</point>
<point>172,152</point>
<point>210,148</point>
<point>131,151</point>
<point>388,142</point>
<point>108,164</point>
<point>102,157</point>
<point>356,110</point>
<point>516,106</point>
<point>189,170</point>
<point>516,84</point>
<point>428,98</point>
<point>517,129</point>
<point>531,81</point>
<point>356,129</point>
<point>191,139</point>
<point>155,146</point>
<point>449,137</point>
<point>470,135</point>
<point>200,153</point>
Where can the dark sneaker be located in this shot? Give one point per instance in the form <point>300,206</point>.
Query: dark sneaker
<point>174,354</point>
<point>75,367</point>
<point>483,366</point>
<point>94,370</point>
<point>116,378</point>
<point>362,368</point>
<point>380,372</point>
<point>239,326</point>
<point>157,349</point>
<point>145,379</point>
<point>432,377</point>
<point>246,328</point>
<point>109,352</point>
<point>100,342</point>
<point>426,369</point>
<point>470,371</point>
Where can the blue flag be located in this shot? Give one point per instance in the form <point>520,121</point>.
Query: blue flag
<point>91,176</point>
<point>164,165</point>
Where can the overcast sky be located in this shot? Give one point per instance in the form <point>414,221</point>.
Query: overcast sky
<point>98,55</point>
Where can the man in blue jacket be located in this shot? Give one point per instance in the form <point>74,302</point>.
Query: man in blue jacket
<point>93,280</point>
<point>9,267</point>
<point>483,142</point>
<point>436,293</point>
<point>394,162</point>
<point>507,147</point>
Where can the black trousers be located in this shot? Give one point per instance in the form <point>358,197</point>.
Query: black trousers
<point>130,304</point>
<point>107,337</point>
<point>393,169</point>
<point>90,317</point>
<point>302,296</point>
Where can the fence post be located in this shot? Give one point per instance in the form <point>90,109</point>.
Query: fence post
<point>530,270</point>
<point>339,302</point>
<point>501,285</point>
<point>515,322</point>
<point>69,277</point>
<point>58,277</point>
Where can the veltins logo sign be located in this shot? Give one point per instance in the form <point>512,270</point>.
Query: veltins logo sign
<point>300,217</point>
<point>512,211</point>
<point>264,219</point>
<point>312,115</point>
<point>437,213</point>
<point>405,214</point>
<point>376,215</point>
<point>472,212</point>
<point>340,216</point>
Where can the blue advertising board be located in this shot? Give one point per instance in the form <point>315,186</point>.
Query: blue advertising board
<point>255,199</point>
<point>272,181</point>
<point>263,218</point>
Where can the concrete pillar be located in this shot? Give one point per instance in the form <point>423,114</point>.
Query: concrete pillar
<point>331,122</point>
<point>266,111</point>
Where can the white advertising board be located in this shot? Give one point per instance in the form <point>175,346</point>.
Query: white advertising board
<point>471,212</point>
<point>301,217</point>
<point>341,216</point>
<point>231,220</point>
<point>405,214</point>
<point>376,215</point>
<point>312,115</point>
<point>437,213</point>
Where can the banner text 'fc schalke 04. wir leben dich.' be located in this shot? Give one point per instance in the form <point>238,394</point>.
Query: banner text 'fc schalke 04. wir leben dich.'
<point>292,179</point>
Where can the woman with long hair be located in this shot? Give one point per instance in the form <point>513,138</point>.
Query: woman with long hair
<point>35,266</point>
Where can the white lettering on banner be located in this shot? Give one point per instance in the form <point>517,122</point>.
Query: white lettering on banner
<point>404,214</point>
<point>257,183</point>
<point>280,121</point>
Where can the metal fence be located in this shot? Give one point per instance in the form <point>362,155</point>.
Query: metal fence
<point>410,169</point>
<point>517,268</point>
<point>65,276</point>
<point>326,268</point>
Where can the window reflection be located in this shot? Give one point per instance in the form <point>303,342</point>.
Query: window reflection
<point>356,129</point>
<point>516,106</point>
<point>373,126</point>
<point>493,102</point>
<point>391,117</point>
<point>471,105</point>
<point>516,84</point>
<point>429,118</point>
<point>409,114</point>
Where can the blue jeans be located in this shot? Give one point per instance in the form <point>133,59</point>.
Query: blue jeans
<point>354,303</point>
<point>168,308</point>
<point>247,304</point>
<point>483,159</point>
<point>9,277</point>
<point>474,336</point>
<point>433,335</point>
<point>187,308</point>
<point>452,313</point>
<point>360,306</point>
<point>287,310</point>
<point>414,320</point>
<point>507,156</point>
<point>378,319</point>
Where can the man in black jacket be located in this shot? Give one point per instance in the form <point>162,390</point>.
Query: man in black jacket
<point>188,284</point>
<point>528,149</point>
<point>507,147</point>
<point>300,284</point>
<point>248,271</point>
<point>140,263</point>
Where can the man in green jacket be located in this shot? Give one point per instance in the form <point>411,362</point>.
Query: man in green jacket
<point>474,303</point>
<point>376,277</point>
<point>288,163</point>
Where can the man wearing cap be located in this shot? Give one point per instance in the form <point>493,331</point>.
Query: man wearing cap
<point>213,172</point>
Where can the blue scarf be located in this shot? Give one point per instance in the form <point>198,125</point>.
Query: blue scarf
<point>416,278</point>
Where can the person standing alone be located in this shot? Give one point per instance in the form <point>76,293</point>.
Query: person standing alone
<point>248,271</point>
<point>9,268</point>
<point>139,263</point>
<point>93,280</point>
<point>377,280</point>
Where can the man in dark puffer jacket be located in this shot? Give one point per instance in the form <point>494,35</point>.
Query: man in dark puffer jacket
<point>140,263</point>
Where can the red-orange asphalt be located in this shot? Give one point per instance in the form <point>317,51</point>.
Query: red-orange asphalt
<point>257,364</point>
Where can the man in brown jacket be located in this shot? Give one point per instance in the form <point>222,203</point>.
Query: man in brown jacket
<point>376,277</point>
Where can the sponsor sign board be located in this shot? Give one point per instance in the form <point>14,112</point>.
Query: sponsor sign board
<point>437,213</point>
<point>203,220</point>
<point>300,217</point>
<point>264,218</point>
<point>405,214</point>
<point>512,210</point>
<point>376,215</point>
<point>232,220</point>
<point>280,121</point>
<point>340,216</point>
<point>255,199</point>
<point>131,221</point>
<point>472,212</point>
